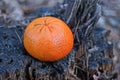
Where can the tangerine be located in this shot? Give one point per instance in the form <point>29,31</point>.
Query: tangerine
<point>48,39</point>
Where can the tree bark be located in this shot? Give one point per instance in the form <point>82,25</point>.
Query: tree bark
<point>91,50</point>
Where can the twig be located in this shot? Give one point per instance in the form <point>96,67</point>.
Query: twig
<point>18,36</point>
<point>75,8</point>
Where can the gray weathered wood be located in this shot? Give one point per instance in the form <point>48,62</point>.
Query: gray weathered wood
<point>91,50</point>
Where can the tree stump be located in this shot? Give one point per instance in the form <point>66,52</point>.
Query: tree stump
<point>91,55</point>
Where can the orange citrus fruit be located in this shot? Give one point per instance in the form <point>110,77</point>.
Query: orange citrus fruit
<point>48,39</point>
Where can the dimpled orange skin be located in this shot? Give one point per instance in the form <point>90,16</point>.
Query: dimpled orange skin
<point>48,39</point>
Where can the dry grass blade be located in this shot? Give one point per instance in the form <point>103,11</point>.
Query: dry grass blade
<point>18,37</point>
